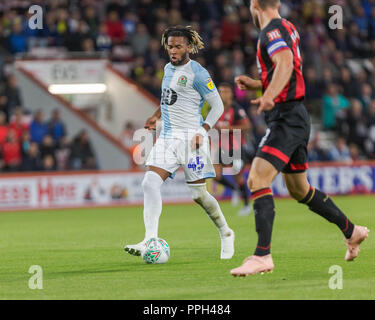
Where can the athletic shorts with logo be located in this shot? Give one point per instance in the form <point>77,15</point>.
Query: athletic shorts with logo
<point>287,136</point>
<point>172,153</point>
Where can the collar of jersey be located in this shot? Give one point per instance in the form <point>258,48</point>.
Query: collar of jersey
<point>180,67</point>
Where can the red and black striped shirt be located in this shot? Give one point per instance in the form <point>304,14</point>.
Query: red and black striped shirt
<point>279,35</point>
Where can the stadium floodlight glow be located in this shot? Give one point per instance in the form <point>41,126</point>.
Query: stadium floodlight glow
<point>77,88</point>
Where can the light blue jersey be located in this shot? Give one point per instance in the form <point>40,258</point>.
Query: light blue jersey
<point>184,90</point>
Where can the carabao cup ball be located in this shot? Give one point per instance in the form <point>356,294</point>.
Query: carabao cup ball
<point>157,251</point>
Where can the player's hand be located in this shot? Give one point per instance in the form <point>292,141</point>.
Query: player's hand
<point>265,104</point>
<point>151,123</point>
<point>196,142</point>
<point>241,82</point>
<point>246,83</point>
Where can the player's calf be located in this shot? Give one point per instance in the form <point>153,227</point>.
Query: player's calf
<point>210,205</point>
<point>323,205</point>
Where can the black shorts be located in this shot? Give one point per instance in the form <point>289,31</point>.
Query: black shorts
<point>286,139</point>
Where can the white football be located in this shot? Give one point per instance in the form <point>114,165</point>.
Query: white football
<point>156,251</point>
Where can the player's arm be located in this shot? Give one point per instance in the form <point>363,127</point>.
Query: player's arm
<point>246,83</point>
<point>207,89</point>
<point>151,122</point>
<point>217,109</point>
<point>283,62</point>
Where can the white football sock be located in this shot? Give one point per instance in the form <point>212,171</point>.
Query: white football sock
<point>151,185</point>
<point>211,206</point>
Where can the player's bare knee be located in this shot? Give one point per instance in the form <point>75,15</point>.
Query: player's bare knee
<point>296,192</point>
<point>257,181</point>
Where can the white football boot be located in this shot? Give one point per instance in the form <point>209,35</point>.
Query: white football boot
<point>135,249</point>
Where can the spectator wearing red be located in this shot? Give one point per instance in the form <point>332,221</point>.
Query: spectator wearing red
<point>3,128</point>
<point>230,30</point>
<point>115,28</point>
<point>18,124</point>
<point>12,152</point>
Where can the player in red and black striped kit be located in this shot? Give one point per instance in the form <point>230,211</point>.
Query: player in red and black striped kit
<point>284,147</point>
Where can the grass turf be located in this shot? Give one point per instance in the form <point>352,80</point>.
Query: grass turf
<point>81,254</point>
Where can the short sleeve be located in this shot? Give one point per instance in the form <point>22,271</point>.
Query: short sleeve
<point>274,42</point>
<point>204,84</point>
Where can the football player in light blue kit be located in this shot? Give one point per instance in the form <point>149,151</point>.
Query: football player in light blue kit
<point>183,141</point>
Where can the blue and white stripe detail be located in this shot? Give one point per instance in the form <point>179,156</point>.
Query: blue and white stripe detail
<point>276,46</point>
<point>167,128</point>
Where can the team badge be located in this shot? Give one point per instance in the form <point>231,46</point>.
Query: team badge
<point>209,84</point>
<point>182,81</point>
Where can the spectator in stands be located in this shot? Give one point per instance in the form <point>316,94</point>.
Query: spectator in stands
<point>314,87</point>
<point>103,41</point>
<point>315,149</point>
<point>18,124</point>
<point>352,124</point>
<point>115,28</point>
<point>92,20</point>
<point>56,127</point>
<point>4,105</point>
<point>13,95</point>
<point>140,40</point>
<point>340,151</point>
<point>18,38</point>
<point>31,158</point>
<point>350,87</point>
<point>47,147</point>
<point>366,95</point>
<point>354,152</point>
<point>4,128</point>
<point>48,163</point>
<point>11,151</point>
<point>38,128</point>
<point>62,154</point>
<point>81,153</point>
<point>333,102</point>
<point>25,143</point>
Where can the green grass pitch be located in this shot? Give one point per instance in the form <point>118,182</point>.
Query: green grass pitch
<point>81,255</point>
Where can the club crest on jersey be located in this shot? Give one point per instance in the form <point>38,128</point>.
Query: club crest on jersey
<point>273,35</point>
<point>182,81</point>
<point>210,84</point>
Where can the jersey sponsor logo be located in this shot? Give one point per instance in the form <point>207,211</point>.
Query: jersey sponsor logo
<point>169,96</point>
<point>182,81</point>
<point>274,35</point>
<point>210,84</point>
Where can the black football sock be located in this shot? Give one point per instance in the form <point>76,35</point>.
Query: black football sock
<point>244,194</point>
<point>226,183</point>
<point>264,212</point>
<point>321,204</point>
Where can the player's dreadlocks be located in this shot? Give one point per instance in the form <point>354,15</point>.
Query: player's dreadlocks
<point>193,38</point>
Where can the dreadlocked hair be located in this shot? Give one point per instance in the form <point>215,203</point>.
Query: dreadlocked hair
<point>193,38</point>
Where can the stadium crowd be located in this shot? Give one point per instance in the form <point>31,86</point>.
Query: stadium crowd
<point>29,143</point>
<point>339,64</point>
